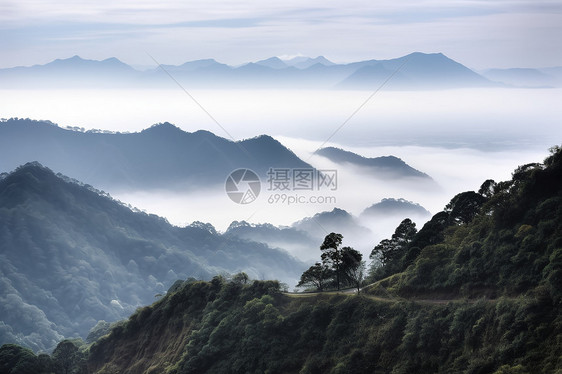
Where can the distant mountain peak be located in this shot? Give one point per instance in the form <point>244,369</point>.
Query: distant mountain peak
<point>417,70</point>
<point>163,126</point>
<point>84,66</point>
<point>204,133</point>
<point>303,62</point>
<point>391,164</point>
<point>264,137</point>
<point>341,155</point>
<point>113,60</point>
<point>273,62</point>
<point>424,56</point>
<point>336,220</point>
<point>235,224</point>
<point>37,171</point>
<point>74,60</point>
<point>30,180</point>
<point>323,60</point>
<point>198,64</point>
<point>334,214</point>
<point>395,206</point>
<point>418,53</point>
<point>202,61</point>
<point>263,140</point>
<point>32,166</point>
<point>338,212</point>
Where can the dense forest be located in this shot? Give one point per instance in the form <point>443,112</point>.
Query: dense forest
<point>71,255</point>
<point>504,240</point>
<point>478,289</point>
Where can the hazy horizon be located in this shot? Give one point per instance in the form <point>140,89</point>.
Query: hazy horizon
<point>474,118</point>
<point>153,66</point>
<point>174,32</point>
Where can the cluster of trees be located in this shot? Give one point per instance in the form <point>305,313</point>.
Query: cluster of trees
<point>504,239</point>
<point>231,327</point>
<point>69,357</point>
<point>395,255</point>
<point>340,266</point>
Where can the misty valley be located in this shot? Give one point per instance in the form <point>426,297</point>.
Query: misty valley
<point>251,234</point>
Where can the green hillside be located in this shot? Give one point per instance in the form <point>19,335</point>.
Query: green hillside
<point>505,240</point>
<point>476,290</point>
<point>229,328</point>
<point>71,255</point>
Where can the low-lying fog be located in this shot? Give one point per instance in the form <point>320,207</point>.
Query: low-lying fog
<point>459,137</point>
<point>454,171</point>
<point>488,119</point>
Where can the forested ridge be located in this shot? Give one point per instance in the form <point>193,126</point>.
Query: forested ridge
<point>504,240</point>
<point>478,289</point>
<point>71,256</point>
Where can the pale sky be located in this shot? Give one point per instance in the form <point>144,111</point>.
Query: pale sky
<point>478,33</point>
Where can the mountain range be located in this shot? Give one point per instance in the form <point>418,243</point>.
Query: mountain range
<point>71,256</point>
<point>414,71</point>
<point>302,239</point>
<point>483,297</point>
<point>162,156</point>
<point>476,290</point>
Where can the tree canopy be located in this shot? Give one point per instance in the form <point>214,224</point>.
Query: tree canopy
<point>339,266</point>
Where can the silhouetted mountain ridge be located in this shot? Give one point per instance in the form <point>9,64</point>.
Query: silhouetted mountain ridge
<point>417,71</point>
<point>384,164</point>
<point>414,71</point>
<point>162,156</point>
